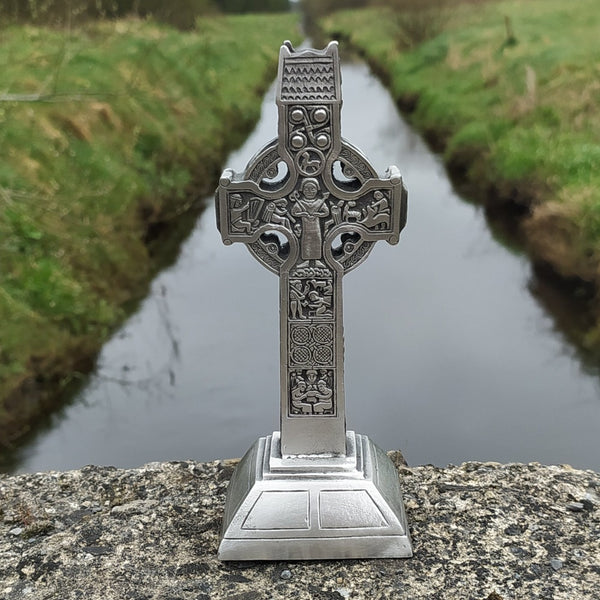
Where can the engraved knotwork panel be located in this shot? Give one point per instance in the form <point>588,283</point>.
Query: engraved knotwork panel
<point>312,345</point>
<point>264,166</point>
<point>354,163</point>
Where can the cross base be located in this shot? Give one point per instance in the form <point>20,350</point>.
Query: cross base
<point>314,507</point>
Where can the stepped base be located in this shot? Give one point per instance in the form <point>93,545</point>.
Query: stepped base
<point>314,507</point>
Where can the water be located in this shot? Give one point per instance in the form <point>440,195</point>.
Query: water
<point>448,356</point>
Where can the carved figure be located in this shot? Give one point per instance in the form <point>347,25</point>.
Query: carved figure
<point>239,209</point>
<point>310,162</point>
<point>324,397</point>
<point>276,212</point>
<point>297,300</point>
<point>350,213</point>
<point>317,302</point>
<point>310,206</point>
<point>377,212</point>
<point>299,397</point>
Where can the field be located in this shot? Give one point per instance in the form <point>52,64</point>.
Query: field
<point>109,133</point>
<point>509,91</point>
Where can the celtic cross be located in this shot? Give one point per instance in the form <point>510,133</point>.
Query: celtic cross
<point>310,207</point>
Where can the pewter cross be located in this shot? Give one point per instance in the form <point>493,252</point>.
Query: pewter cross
<point>310,207</point>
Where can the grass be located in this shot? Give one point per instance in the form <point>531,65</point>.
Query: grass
<point>105,131</point>
<point>510,91</point>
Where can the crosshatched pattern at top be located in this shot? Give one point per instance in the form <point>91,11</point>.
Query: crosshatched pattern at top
<point>308,80</point>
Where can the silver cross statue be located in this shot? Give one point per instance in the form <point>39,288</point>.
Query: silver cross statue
<point>310,207</point>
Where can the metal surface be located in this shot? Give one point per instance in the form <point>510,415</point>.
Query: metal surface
<point>310,207</point>
<point>315,508</point>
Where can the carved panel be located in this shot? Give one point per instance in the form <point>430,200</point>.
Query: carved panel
<point>307,80</point>
<point>311,298</point>
<point>312,392</point>
<point>311,345</point>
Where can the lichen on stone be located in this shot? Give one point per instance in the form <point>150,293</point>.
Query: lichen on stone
<point>481,531</point>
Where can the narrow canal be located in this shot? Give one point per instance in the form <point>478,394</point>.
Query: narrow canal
<point>448,356</point>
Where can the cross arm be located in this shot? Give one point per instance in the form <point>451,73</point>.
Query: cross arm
<point>248,213</point>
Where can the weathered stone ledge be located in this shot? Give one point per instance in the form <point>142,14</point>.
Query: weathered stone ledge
<point>480,531</point>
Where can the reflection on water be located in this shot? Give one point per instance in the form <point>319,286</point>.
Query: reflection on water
<point>448,356</point>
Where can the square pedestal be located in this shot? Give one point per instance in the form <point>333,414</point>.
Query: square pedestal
<point>314,507</point>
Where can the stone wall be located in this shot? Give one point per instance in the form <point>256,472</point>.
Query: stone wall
<point>480,531</point>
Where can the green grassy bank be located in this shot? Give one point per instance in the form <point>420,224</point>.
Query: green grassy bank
<point>108,134</point>
<point>510,93</point>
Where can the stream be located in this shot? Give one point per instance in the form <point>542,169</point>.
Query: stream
<point>449,357</point>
